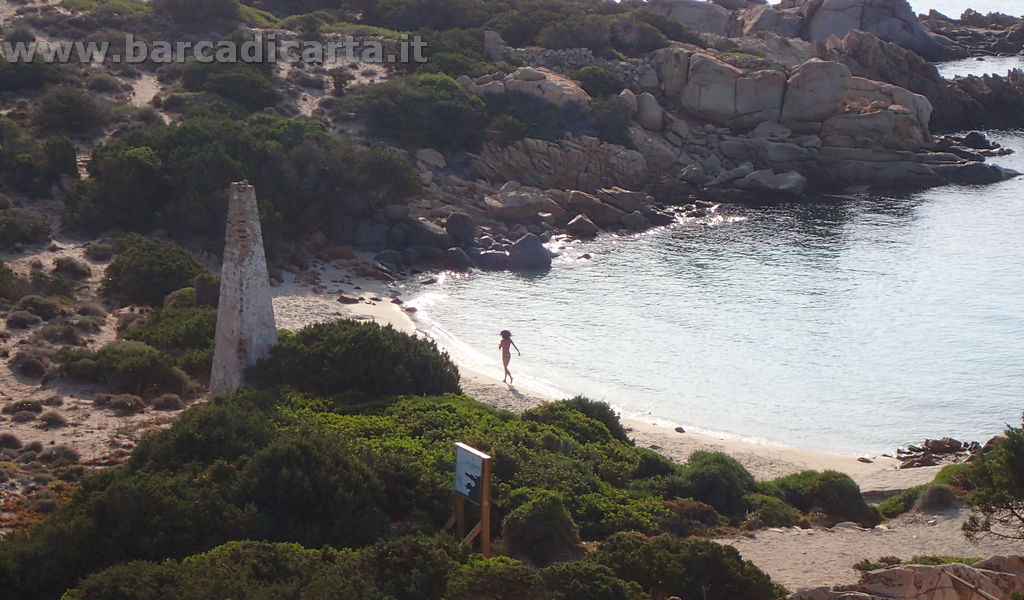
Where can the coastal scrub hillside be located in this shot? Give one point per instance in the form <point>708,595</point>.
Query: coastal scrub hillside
<point>327,460</point>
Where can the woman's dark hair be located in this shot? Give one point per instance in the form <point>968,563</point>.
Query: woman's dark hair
<point>505,333</point>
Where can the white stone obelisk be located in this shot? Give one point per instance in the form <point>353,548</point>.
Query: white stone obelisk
<point>245,314</point>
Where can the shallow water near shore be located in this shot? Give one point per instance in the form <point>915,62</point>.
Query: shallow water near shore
<point>849,326</point>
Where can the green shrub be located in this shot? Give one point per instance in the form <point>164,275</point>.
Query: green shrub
<point>295,481</point>
<point>44,308</point>
<point>958,476</point>
<point>568,581</point>
<point>600,411</point>
<point>582,428</point>
<point>20,227</point>
<point>71,268</point>
<point>20,75</point>
<point>498,578</point>
<point>67,109</point>
<point>832,492</point>
<point>238,82</point>
<point>610,119</point>
<point>425,110</point>
<point>413,567</point>
<point>175,330</point>
<point>768,511</point>
<point>202,13</point>
<point>99,252</point>
<point>146,270</point>
<point>693,568</point>
<point>720,480</point>
<point>935,498</point>
<point>672,29</point>
<point>330,358</point>
<point>229,427</point>
<point>688,517</point>
<point>541,530</point>
<point>599,80</point>
<point>125,365</point>
<point>902,502</point>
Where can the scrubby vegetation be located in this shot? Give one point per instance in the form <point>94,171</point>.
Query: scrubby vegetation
<point>146,270</point>
<point>997,488</point>
<point>331,461</point>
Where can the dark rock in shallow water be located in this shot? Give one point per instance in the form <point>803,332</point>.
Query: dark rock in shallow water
<point>461,228</point>
<point>459,259</point>
<point>424,233</point>
<point>492,260</point>
<point>529,254</point>
<point>975,173</point>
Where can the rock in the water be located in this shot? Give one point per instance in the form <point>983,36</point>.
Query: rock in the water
<point>582,227</point>
<point>635,221</point>
<point>492,260</point>
<point>789,185</point>
<point>528,254</point>
<point>458,259</point>
<point>461,228</point>
<point>425,233</point>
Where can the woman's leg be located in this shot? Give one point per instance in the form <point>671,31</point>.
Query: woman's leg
<point>505,358</point>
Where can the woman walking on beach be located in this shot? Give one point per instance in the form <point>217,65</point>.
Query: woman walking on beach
<point>506,353</point>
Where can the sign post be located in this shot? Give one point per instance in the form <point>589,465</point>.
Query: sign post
<point>473,483</point>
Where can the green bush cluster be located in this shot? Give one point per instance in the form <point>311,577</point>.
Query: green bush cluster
<point>331,358</point>
<point>242,83</point>
<point>184,333</point>
<point>30,165</point>
<point>176,177</point>
<point>14,287</point>
<point>833,493</point>
<point>68,109</point>
<point>599,80</point>
<point>427,109</point>
<point>20,227</point>
<point>127,366</point>
<point>146,270</point>
<point>21,75</point>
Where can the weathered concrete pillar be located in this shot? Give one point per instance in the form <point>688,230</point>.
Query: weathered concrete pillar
<point>245,314</point>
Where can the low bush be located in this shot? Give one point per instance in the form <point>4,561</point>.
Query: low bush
<point>168,402</point>
<point>936,498</point>
<point>237,82</point>
<point>68,110</point>
<point>718,479</point>
<point>99,252</point>
<point>9,440</point>
<point>330,358</point>
<point>831,492</point>
<point>599,80</point>
<point>958,476</point>
<point>900,503</point>
<point>44,308</point>
<point>53,419</point>
<point>31,362</point>
<point>581,427</point>
<point>20,227</point>
<point>541,530</point>
<point>128,366</point>
<point>70,268</point>
<point>425,110</point>
<point>146,270</point>
<point>583,579</point>
<point>689,517</point>
<point>22,319</point>
<point>768,511</point>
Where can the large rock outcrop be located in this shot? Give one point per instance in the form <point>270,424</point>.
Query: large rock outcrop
<point>696,14</point>
<point>891,20</point>
<point>721,93</point>
<point>542,84</point>
<point>572,163</point>
<point>996,577</point>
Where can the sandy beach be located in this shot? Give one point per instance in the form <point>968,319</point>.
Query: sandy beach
<point>301,301</point>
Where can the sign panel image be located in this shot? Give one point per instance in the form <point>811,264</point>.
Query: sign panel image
<point>469,470</point>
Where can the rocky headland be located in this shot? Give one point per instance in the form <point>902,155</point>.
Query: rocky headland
<point>798,99</point>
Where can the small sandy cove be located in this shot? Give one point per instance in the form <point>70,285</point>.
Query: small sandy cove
<point>793,557</point>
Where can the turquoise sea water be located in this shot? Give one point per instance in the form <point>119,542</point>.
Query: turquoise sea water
<point>851,326</point>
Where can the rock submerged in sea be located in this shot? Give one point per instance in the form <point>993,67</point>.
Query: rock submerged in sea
<point>529,254</point>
